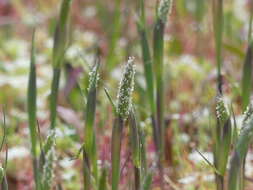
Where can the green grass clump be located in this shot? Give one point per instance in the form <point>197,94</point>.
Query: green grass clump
<point>154,71</point>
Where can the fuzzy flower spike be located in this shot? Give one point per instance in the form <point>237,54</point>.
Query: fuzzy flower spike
<point>124,97</point>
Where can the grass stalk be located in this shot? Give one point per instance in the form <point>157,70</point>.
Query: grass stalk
<point>148,68</point>
<point>247,66</point>
<point>250,21</point>
<point>60,46</point>
<point>237,163</point>
<point>102,182</point>
<point>86,171</point>
<point>90,147</point>
<point>247,77</point>
<point>4,181</point>
<point>115,34</point>
<point>163,9</point>
<point>223,139</point>
<point>135,146</point>
<point>31,106</point>
<point>124,103</point>
<point>147,181</point>
<point>146,56</point>
<point>116,147</point>
<point>218,22</point>
<point>158,51</point>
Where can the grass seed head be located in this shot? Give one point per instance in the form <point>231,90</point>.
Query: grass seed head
<point>48,173</point>
<point>248,113</point>
<point>126,87</point>
<point>221,110</point>
<point>50,142</point>
<point>164,9</point>
<point>93,78</point>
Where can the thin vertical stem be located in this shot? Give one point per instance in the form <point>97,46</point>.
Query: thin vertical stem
<point>54,96</point>
<point>218,22</point>
<point>31,106</point>
<point>115,154</point>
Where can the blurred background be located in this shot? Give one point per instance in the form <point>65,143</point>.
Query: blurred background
<point>109,27</point>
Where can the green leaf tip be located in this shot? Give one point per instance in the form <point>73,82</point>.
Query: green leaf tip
<point>61,34</point>
<point>126,87</point>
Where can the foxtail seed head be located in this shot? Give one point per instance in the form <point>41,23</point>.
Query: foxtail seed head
<point>48,169</point>
<point>93,77</point>
<point>164,9</point>
<point>221,110</point>
<point>124,97</point>
<point>248,113</point>
<point>1,174</point>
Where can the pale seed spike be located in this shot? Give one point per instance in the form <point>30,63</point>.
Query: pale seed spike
<point>125,89</point>
<point>93,77</point>
<point>221,110</point>
<point>164,9</point>
<point>248,113</point>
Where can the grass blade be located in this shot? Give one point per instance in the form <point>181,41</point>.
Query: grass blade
<point>61,34</point>
<point>115,35</point>
<point>4,182</point>
<point>134,139</point>
<point>147,182</point>
<point>116,147</point>
<point>146,56</point>
<point>163,9</point>
<point>60,46</point>
<point>31,106</point>
<point>102,181</point>
<point>223,139</point>
<point>135,146</point>
<point>218,35</point>
<point>236,171</point>
<point>247,77</point>
<point>158,40</point>
<point>124,102</point>
<point>90,146</point>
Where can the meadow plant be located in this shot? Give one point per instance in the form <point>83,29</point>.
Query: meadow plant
<point>218,24</point>
<point>124,104</point>
<point>90,147</point>
<point>59,49</point>
<point>32,109</point>
<point>237,163</point>
<point>222,141</point>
